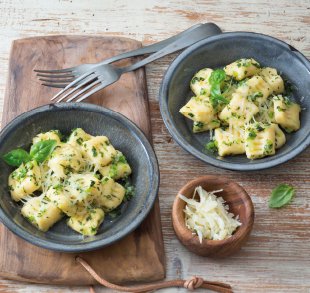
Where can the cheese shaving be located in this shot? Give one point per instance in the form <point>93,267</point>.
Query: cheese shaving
<point>209,217</point>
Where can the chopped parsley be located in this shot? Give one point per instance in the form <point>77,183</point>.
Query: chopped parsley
<point>196,78</point>
<point>212,146</point>
<point>94,152</point>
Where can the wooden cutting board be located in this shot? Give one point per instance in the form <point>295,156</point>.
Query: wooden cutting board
<point>140,255</point>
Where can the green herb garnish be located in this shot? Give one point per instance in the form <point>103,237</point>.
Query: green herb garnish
<point>254,96</point>
<point>16,157</point>
<point>94,151</point>
<point>42,149</point>
<point>212,146</point>
<point>281,195</point>
<point>252,134</point>
<point>215,80</point>
<point>39,152</point>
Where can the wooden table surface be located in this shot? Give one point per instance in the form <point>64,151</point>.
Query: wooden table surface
<point>277,256</point>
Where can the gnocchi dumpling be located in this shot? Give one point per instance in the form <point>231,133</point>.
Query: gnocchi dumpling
<point>52,134</point>
<point>200,109</point>
<point>280,136</point>
<point>83,187</point>
<point>239,111</point>
<point>255,89</point>
<point>199,126</point>
<point>61,197</point>
<point>41,212</point>
<point>200,82</point>
<point>24,180</point>
<point>260,140</point>
<point>112,195</point>
<point>87,222</point>
<point>229,141</point>
<point>286,113</point>
<point>274,80</point>
<point>78,137</point>
<point>119,168</point>
<point>242,68</point>
<point>99,151</point>
<point>65,159</point>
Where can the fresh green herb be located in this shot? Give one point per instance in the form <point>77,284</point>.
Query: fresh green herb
<point>31,219</point>
<point>20,173</point>
<point>242,82</point>
<point>58,187</point>
<point>212,146</point>
<point>119,158</point>
<point>93,230</point>
<point>196,78</point>
<point>42,149</point>
<point>289,89</point>
<point>198,126</point>
<point>254,96</point>
<point>215,121</point>
<point>203,92</point>
<point>268,147</point>
<point>16,157</point>
<point>130,189</point>
<point>281,109</point>
<point>80,140</point>
<point>259,127</point>
<point>252,134</point>
<point>130,192</point>
<point>113,171</point>
<point>281,195</point>
<point>271,115</point>
<point>191,115</point>
<point>115,213</point>
<point>215,80</point>
<point>94,151</point>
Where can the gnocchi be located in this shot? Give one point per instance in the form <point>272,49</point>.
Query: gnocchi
<point>245,106</point>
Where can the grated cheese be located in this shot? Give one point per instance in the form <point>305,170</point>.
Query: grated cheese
<point>209,217</point>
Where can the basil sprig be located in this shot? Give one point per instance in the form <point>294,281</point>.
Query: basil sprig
<point>42,149</point>
<point>39,152</point>
<point>281,195</point>
<point>215,80</point>
<point>16,157</point>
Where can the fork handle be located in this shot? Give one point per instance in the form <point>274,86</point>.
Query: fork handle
<point>196,34</point>
<point>209,28</point>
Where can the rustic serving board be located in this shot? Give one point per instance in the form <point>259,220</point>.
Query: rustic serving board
<point>140,255</point>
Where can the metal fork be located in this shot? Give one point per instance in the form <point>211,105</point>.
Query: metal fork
<point>62,77</point>
<point>103,75</point>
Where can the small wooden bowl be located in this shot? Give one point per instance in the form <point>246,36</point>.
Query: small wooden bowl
<point>239,203</point>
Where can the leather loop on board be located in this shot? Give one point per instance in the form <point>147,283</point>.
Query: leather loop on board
<point>191,284</point>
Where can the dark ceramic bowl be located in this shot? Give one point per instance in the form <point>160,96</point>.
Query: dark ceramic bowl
<point>124,135</point>
<point>218,51</point>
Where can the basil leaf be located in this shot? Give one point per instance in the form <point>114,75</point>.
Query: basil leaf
<point>217,76</point>
<point>42,149</point>
<point>16,157</point>
<point>281,195</point>
<point>215,80</point>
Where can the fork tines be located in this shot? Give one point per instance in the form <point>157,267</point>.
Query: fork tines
<point>78,87</point>
<point>55,78</point>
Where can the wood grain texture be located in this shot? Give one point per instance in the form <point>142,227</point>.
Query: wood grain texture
<point>276,257</point>
<point>128,259</point>
<point>239,203</point>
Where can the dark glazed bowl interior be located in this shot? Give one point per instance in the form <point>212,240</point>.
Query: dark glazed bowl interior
<point>123,134</point>
<point>218,51</point>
